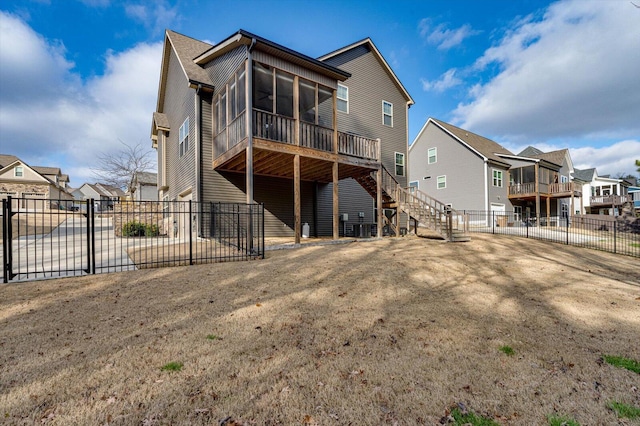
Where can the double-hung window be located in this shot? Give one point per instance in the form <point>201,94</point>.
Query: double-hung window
<point>497,178</point>
<point>18,171</point>
<point>387,113</point>
<point>442,182</point>
<point>343,98</point>
<point>432,155</point>
<point>184,137</point>
<point>399,164</point>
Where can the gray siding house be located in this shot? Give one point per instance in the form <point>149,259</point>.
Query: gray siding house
<point>249,120</point>
<point>459,168</point>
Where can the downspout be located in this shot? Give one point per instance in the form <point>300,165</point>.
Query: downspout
<point>198,153</point>
<point>486,186</point>
<point>249,88</point>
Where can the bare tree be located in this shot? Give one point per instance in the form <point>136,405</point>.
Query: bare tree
<point>119,167</point>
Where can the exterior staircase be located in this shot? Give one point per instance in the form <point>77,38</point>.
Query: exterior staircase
<point>419,206</point>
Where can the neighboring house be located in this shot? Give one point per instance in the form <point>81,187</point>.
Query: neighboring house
<point>602,194</point>
<point>105,196</point>
<point>470,172</point>
<point>20,180</point>
<point>459,168</point>
<point>249,120</point>
<point>634,194</point>
<point>540,183</point>
<point>144,187</point>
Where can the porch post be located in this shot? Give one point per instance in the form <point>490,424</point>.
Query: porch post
<point>548,209</point>
<point>249,113</point>
<point>379,201</point>
<point>296,197</point>
<point>537,178</point>
<point>335,121</point>
<point>296,111</point>
<point>336,208</point>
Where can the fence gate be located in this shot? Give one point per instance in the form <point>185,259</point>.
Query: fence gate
<point>45,238</point>
<point>57,238</point>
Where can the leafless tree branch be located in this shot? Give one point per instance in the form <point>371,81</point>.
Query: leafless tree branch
<point>119,167</point>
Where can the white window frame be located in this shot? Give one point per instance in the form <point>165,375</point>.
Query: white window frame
<point>517,213</point>
<point>385,114</point>
<point>495,179</point>
<point>444,182</point>
<point>346,100</point>
<point>564,179</point>
<point>18,171</point>
<point>403,165</point>
<point>435,155</point>
<point>414,184</point>
<point>183,137</point>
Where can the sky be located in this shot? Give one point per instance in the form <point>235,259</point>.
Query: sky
<point>80,77</point>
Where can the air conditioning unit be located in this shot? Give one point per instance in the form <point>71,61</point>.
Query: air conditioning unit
<point>344,217</point>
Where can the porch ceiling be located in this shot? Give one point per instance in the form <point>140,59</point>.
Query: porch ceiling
<point>279,164</point>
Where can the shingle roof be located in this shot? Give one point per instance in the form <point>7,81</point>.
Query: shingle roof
<point>161,121</point>
<point>555,157</point>
<point>584,175</point>
<point>5,160</point>
<point>530,151</point>
<point>484,146</point>
<point>64,178</point>
<point>187,49</point>
<point>46,170</point>
<point>148,178</point>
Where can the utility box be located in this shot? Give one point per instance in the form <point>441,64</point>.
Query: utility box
<point>344,217</point>
<point>362,230</point>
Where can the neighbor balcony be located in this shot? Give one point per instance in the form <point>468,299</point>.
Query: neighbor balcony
<point>610,200</point>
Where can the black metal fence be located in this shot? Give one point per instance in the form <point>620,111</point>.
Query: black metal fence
<point>39,241</point>
<point>607,233</point>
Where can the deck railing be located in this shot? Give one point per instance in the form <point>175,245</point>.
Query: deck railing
<point>237,130</point>
<point>317,137</point>
<point>357,146</point>
<point>544,188</point>
<point>279,128</point>
<point>614,200</point>
<point>273,127</point>
<point>522,188</point>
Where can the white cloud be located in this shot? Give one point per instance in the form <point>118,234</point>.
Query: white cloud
<point>50,116</point>
<point>571,74</point>
<point>156,16</point>
<point>446,81</point>
<point>443,37</point>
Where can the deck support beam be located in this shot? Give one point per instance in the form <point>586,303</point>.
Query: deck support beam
<point>296,197</point>
<point>537,177</point>
<point>379,202</point>
<point>336,207</point>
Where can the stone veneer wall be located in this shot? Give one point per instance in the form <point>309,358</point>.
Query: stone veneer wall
<point>149,213</point>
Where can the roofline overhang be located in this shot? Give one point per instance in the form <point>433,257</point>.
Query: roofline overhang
<point>245,38</point>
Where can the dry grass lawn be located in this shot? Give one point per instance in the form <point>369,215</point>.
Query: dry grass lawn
<point>394,331</point>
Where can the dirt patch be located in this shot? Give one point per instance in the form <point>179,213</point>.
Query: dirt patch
<point>388,331</point>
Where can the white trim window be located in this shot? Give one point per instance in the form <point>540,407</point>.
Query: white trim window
<point>564,179</point>
<point>18,171</point>
<point>399,164</point>
<point>387,113</point>
<point>343,98</point>
<point>442,182</point>
<point>497,178</point>
<point>183,140</point>
<point>413,185</point>
<point>432,155</point>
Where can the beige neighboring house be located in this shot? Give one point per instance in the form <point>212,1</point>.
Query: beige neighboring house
<point>143,187</point>
<point>20,180</point>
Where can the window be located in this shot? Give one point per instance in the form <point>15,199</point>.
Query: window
<point>184,137</point>
<point>262,87</point>
<point>497,178</point>
<point>432,153</point>
<point>517,212</point>
<point>564,179</point>
<point>399,164</point>
<point>18,171</point>
<point>284,94</point>
<point>413,185</point>
<point>442,182</point>
<point>343,98</point>
<point>387,113</point>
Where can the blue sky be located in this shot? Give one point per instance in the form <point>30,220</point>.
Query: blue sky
<point>80,77</point>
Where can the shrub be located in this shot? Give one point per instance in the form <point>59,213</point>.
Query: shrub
<point>139,229</point>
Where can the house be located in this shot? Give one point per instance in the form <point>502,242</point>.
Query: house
<point>249,120</point>
<point>459,168</point>
<point>603,195</point>
<point>143,187</point>
<point>634,194</point>
<point>21,180</point>
<point>540,184</point>
<point>105,196</point>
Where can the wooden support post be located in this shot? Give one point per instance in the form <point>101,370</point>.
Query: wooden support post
<point>548,209</point>
<point>379,201</point>
<point>336,207</point>
<point>296,197</point>
<point>537,177</point>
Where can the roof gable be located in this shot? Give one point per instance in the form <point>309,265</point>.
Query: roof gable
<point>367,42</point>
<point>482,146</point>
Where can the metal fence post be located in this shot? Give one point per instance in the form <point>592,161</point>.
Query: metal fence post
<point>528,223</point>
<point>190,235</point>
<point>493,222</point>
<point>567,230</point>
<point>6,242</point>
<point>262,227</point>
<point>92,234</point>
<point>615,235</point>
